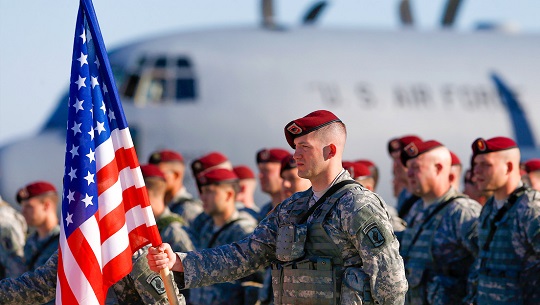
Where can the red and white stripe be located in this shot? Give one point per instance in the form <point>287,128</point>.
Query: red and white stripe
<point>98,253</point>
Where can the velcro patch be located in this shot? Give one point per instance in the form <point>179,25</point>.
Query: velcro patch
<point>157,283</point>
<point>374,234</point>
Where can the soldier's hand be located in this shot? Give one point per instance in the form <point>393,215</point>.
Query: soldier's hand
<point>161,257</point>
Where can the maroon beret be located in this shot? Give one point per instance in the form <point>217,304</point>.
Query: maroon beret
<point>366,162</point>
<point>532,165</point>
<point>243,172</point>
<point>357,169</point>
<point>152,171</point>
<point>397,144</point>
<point>217,176</point>
<point>307,124</point>
<point>271,155</point>
<point>481,146</point>
<point>208,161</point>
<point>287,163</point>
<point>455,159</point>
<point>35,189</point>
<point>165,156</point>
<point>415,149</point>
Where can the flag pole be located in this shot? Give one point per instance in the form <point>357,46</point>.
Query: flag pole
<point>109,82</point>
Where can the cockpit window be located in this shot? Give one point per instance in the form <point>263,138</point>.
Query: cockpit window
<point>160,79</point>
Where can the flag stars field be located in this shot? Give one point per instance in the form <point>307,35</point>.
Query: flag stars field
<point>80,82</point>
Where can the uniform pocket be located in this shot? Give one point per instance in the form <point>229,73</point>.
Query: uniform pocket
<point>290,242</point>
<point>355,287</point>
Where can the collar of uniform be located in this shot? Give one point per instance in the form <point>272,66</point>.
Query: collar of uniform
<point>166,212</point>
<point>182,193</point>
<point>343,175</point>
<point>450,193</point>
<point>235,215</point>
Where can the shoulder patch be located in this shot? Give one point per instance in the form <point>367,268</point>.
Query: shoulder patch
<point>374,235</point>
<point>156,282</point>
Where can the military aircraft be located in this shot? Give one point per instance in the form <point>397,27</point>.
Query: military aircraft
<point>234,89</point>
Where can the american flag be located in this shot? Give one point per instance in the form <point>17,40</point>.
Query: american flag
<point>106,215</point>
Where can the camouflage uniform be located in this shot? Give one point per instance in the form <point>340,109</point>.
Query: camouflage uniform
<point>12,235</point>
<point>240,225</point>
<point>38,250</point>
<point>360,229</point>
<point>171,229</point>
<point>265,209</point>
<point>141,286</point>
<point>186,206</point>
<point>439,251</point>
<point>509,268</point>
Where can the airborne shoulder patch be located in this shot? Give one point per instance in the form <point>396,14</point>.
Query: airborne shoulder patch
<point>374,234</point>
<point>157,283</point>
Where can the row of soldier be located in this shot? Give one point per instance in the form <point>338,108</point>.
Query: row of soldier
<point>436,224</point>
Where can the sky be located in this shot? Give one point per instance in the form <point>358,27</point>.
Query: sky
<point>36,36</point>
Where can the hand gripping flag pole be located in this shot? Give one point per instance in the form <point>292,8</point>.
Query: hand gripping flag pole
<point>106,214</point>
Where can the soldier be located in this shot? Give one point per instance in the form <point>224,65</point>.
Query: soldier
<point>470,189</point>
<point>269,165</point>
<point>292,183</point>
<point>439,244</point>
<point>39,200</point>
<point>455,171</point>
<point>226,225</point>
<point>405,199</point>
<point>245,199</point>
<point>342,250</point>
<point>509,235</point>
<point>373,171</point>
<point>181,202</point>
<point>12,237</point>
<point>532,168</point>
<point>360,173</point>
<point>140,286</point>
<point>169,224</point>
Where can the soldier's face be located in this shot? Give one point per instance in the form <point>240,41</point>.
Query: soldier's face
<point>269,177</point>
<point>490,172</point>
<point>292,183</point>
<point>421,175</point>
<point>534,178</point>
<point>215,198</point>
<point>309,156</point>
<point>34,211</point>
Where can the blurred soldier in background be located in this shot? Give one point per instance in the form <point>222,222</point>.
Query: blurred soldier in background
<point>439,244</point>
<point>12,236</point>
<point>178,199</point>
<point>39,201</point>
<point>508,263</point>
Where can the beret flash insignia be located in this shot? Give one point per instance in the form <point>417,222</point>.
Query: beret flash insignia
<point>411,150</point>
<point>294,129</point>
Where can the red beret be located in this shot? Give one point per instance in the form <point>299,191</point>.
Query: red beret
<point>532,165</point>
<point>357,169</point>
<point>415,149</point>
<point>455,159</point>
<point>217,176</point>
<point>287,163</point>
<point>397,144</point>
<point>481,146</point>
<point>208,161</point>
<point>35,189</point>
<point>152,171</point>
<point>271,155</point>
<point>307,124</point>
<point>365,162</point>
<point>243,172</point>
<point>165,156</point>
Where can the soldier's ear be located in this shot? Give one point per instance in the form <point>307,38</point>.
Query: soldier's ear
<point>509,167</point>
<point>329,151</point>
